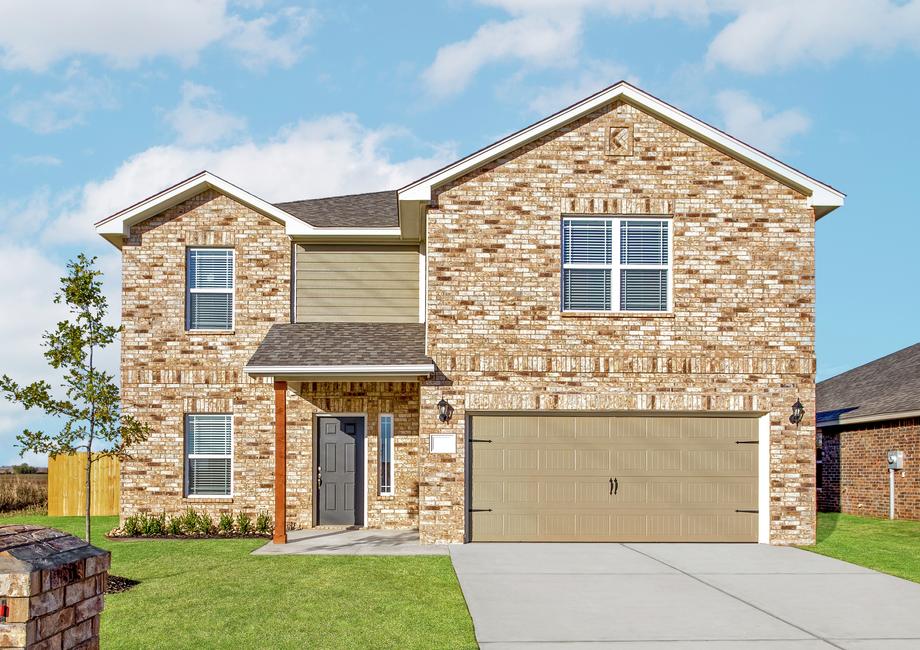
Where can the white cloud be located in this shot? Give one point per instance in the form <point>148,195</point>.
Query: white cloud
<point>744,118</point>
<point>38,160</point>
<point>21,356</point>
<point>593,76</point>
<point>774,35</point>
<point>57,110</point>
<point>276,39</point>
<point>533,39</point>
<point>326,156</point>
<point>35,34</point>
<point>758,37</point>
<point>199,118</point>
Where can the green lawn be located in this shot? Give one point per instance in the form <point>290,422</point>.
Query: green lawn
<point>212,593</point>
<point>889,546</point>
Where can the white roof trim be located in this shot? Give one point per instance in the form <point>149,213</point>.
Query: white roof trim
<point>118,225</point>
<point>401,369</point>
<point>822,197</point>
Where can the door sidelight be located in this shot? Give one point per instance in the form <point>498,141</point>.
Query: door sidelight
<point>614,486</point>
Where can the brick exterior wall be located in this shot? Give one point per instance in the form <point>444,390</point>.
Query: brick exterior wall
<point>860,484</point>
<point>168,372</point>
<point>741,337</point>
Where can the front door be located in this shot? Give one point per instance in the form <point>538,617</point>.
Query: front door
<point>339,473</point>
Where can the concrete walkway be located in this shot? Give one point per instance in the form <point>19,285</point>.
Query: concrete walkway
<point>669,596</point>
<point>359,541</point>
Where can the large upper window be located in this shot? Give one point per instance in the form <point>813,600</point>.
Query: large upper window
<point>208,454</point>
<point>386,454</point>
<point>209,293</point>
<point>616,264</point>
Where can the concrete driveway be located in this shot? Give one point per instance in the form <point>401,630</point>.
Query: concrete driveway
<point>642,596</point>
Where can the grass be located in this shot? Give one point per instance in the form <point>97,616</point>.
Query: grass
<point>23,492</point>
<point>213,593</point>
<point>888,546</point>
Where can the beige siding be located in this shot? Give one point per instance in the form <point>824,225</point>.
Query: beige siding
<point>364,283</point>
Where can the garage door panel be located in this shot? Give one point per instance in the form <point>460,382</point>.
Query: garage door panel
<point>547,477</point>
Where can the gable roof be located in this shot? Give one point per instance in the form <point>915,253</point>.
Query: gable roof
<point>883,389</point>
<point>115,227</point>
<point>369,210</point>
<point>822,197</point>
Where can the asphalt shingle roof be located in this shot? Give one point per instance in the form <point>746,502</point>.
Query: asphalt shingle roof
<point>887,385</point>
<point>370,210</point>
<point>342,344</point>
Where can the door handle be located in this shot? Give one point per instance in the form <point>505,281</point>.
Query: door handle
<point>319,477</point>
<point>616,486</point>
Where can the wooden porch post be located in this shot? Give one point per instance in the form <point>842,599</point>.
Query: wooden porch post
<point>279,536</point>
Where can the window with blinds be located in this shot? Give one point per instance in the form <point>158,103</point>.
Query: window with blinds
<point>209,296</point>
<point>208,455</point>
<point>385,444</point>
<point>616,264</point>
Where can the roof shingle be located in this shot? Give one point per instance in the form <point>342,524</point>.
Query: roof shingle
<point>887,385</point>
<point>370,210</point>
<point>341,344</point>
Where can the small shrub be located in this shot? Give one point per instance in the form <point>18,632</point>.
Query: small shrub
<point>190,522</point>
<point>174,525</point>
<point>225,523</point>
<point>263,524</point>
<point>205,524</point>
<point>153,525</point>
<point>132,526</point>
<point>244,523</point>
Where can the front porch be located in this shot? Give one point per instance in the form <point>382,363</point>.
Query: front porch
<point>346,426</point>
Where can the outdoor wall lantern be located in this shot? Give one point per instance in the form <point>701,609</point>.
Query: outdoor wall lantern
<point>445,410</point>
<point>798,412</point>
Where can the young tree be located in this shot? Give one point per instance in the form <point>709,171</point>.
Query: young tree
<point>92,408</point>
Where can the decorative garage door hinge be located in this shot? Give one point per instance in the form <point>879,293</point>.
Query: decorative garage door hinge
<point>480,510</point>
<point>479,440</point>
<point>746,442</point>
<point>751,511</point>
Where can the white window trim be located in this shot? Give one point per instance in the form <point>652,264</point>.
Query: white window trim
<point>392,450</point>
<point>616,266</point>
<point>189,291</point>
<point>189,457</point>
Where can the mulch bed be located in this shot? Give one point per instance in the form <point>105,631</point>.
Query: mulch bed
<point>117,584</point>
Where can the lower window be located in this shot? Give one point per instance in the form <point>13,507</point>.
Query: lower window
<point>208,454</point>
<point>386,454</point>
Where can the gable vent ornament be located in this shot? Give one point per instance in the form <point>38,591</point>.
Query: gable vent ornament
<point>798,412</point>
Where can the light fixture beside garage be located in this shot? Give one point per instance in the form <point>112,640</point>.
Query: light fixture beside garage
<point>445,410</point>
<point>798,412</point>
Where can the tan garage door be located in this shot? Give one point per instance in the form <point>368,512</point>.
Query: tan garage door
<point>613,478</point>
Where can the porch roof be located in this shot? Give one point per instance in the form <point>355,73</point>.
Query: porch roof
<point>339,349</point>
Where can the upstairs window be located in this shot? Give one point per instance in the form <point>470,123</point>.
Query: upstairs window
<point>616,264</point>
<point>209,289</point>
<point>208,455</point>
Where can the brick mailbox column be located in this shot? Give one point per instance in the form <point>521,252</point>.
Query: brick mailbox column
<point>52,587</point>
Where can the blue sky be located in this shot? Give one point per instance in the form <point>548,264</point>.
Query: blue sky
<point>112,101</point>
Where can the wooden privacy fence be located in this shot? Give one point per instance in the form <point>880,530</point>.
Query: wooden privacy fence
<point>67,485</point>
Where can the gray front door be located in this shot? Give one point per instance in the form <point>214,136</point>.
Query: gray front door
<point>340,476</point>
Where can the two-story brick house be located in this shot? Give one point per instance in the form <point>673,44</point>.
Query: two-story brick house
<point>593,329</point>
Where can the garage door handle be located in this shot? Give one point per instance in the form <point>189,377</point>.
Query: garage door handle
<point>614,486</point>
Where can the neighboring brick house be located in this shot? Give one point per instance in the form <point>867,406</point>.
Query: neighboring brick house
<point>593,329</point>
<point>862,415</point>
